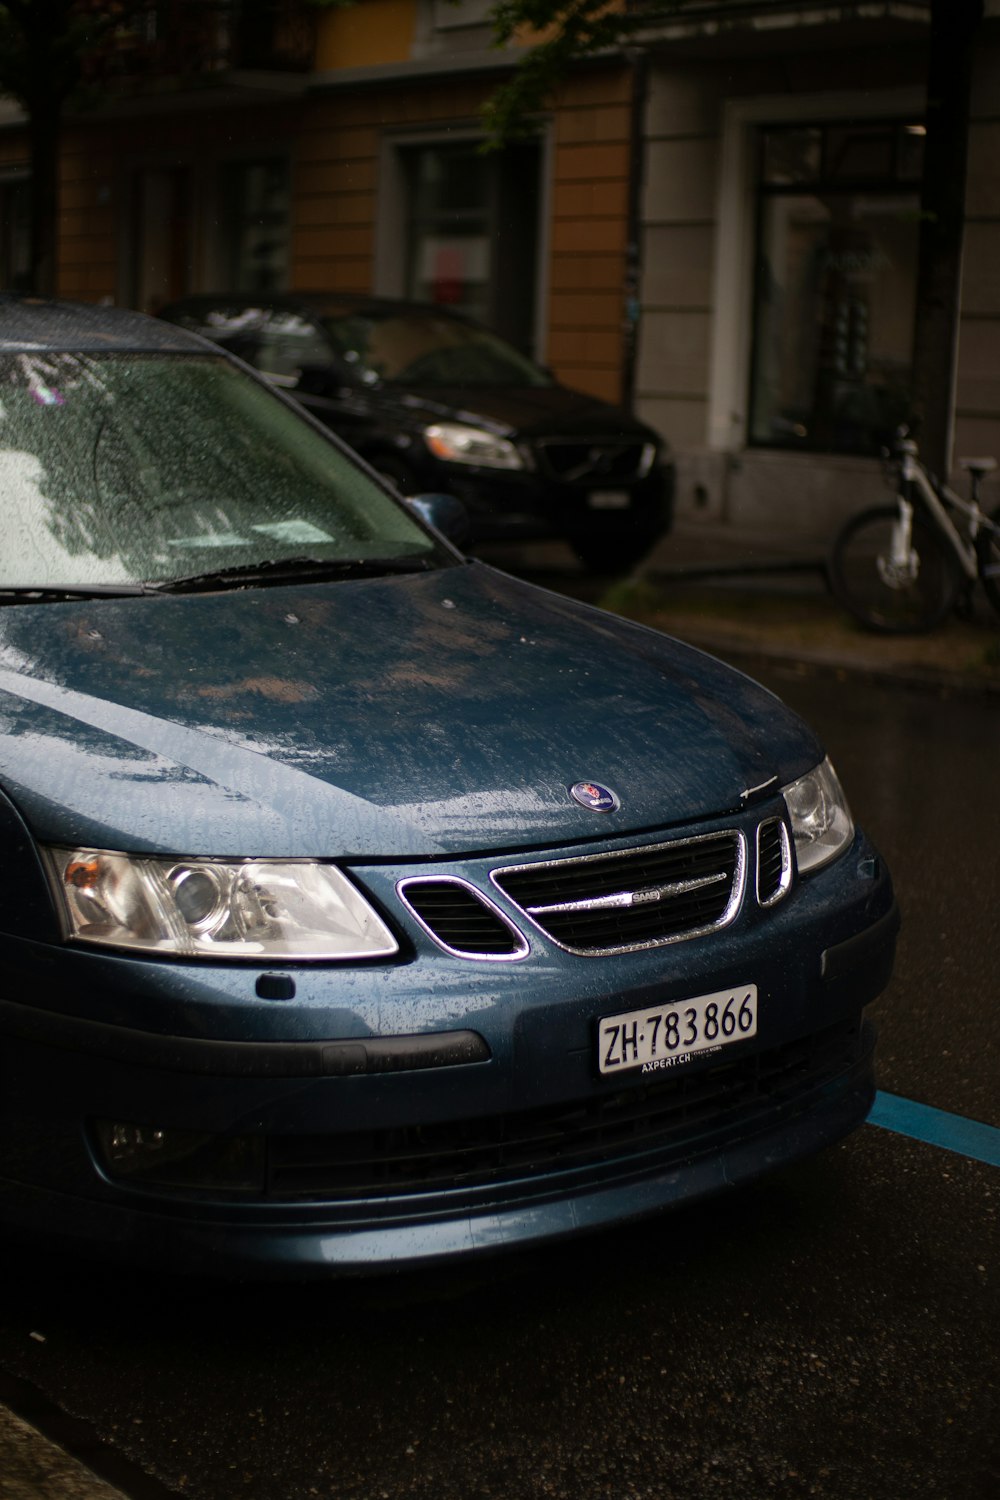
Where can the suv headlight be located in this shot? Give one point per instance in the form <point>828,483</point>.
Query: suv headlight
<point>821,821</point>
<point>650,453</point>
<point>207,908</point>
<point>458,444</point>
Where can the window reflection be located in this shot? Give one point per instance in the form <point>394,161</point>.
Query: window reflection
<point>835,287</point>
<point>133,468</point>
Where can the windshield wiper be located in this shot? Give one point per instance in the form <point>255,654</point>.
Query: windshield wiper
<point>279,570</point>
<point>57,593</point>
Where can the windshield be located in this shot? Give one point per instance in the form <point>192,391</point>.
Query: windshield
<point>427,349</point>
<point>133,468</point>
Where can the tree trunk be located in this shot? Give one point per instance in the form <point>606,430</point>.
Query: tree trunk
<point>954,24</point>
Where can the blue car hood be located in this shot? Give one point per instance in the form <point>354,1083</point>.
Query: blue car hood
<point>409,716</point>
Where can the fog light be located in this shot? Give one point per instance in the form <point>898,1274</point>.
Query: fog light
<point>155,1156</point>
<point>129,1145</point>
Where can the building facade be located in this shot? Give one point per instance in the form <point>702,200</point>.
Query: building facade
<point>718,227</point>
<point>780,222</point>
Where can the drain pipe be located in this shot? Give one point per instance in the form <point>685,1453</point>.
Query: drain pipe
<point>639,67</point>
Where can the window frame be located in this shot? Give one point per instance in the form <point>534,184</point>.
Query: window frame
<point>826,184</point>
<point>15,210</point>
<point>227,255</point>
<point>209,254</point>
<point>733,275</point>
<point>392,216</point>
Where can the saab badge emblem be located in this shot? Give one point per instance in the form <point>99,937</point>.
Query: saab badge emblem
<point>597,798</point>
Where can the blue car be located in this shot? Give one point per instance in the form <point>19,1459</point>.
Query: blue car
<point>363,905</point>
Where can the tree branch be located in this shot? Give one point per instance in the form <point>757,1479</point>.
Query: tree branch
<point>568,30</point>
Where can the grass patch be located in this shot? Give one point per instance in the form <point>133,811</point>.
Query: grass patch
<point>804,626</point>
<point>989,657</point>
<point>642,599</point>
<point>633,598</point>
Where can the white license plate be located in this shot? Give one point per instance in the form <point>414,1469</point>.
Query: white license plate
<point>660,1037</point>
<point>609,499</point>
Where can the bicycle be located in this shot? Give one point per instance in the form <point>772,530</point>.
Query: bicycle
<point>903,568</point>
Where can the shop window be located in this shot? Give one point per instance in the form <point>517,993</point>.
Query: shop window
<point>472,232</point>
<point>15,234</point>
<point>287,347</point>
<point>838,221</point>
<point>255,200</point>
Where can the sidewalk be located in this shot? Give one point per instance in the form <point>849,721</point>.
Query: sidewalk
<point>733,594</point>
<point>745,596</point>
<point>32,1468</point>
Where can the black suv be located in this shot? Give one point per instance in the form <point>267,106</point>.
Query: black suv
<point>436,402</point>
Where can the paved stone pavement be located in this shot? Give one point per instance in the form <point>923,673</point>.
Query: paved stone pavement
<point>744,595</point>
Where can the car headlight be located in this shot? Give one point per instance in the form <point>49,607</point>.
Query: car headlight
<point>821,821</point>
<point>648,459</point>
<point>207,908</point>
<point>458,444</point>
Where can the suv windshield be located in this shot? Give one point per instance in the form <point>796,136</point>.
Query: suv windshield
<point>133,468</point>
<point>427,349</point>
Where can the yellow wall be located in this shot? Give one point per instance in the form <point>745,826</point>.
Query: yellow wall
<point>98,164</point>
<point>589,231</point>
<point>335,142</point>
<point>336,184</point>
<point>87,269</point>
<point>88,243</point>
<point>365,34</point>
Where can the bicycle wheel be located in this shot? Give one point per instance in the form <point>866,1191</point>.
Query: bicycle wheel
<point>881,591</point>
<point>988,556</point>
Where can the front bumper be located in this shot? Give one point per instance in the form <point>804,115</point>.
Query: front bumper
<point>212,1239</point>
<point>408,1164</point>
<point>526,506</point>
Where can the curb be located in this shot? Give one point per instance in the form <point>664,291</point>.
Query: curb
<point>32,1467</point>
<point>46,1453</point>
<point>836,662</point>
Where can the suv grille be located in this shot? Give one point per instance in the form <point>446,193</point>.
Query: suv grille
<point>642,898</point>
<point>586,460</point>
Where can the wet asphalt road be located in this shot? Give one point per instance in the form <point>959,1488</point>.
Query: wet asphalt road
<point>834,1331</point>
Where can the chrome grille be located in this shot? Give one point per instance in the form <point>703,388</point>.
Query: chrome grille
<point>461,919</point>
<point>774,861</point>
<point>638,898</point>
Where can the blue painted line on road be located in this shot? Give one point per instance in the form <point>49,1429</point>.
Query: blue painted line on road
<point>938,1128</point>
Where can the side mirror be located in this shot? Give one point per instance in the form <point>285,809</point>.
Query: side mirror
<point>446,514</point>
<point>333,377</point>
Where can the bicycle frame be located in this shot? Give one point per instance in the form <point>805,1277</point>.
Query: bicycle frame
<point>905,567</point>
<point>914,476</point>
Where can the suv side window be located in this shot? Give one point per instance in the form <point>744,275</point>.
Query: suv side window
<point>287,347</point>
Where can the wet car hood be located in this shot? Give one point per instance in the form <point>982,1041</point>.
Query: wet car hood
<point>409,716</point>
<point>528,411</point>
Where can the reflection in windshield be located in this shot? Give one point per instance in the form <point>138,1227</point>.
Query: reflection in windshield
<point>131,468</point>
<point>417,348</point>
